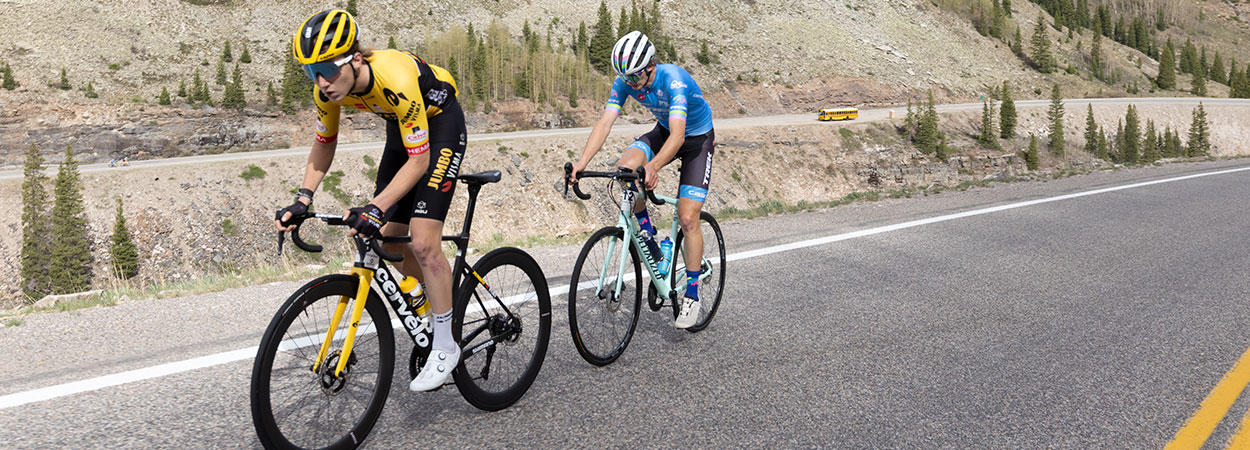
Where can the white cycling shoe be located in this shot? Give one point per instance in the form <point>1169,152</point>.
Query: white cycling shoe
<point>689,313</point>
<point>436,370</point>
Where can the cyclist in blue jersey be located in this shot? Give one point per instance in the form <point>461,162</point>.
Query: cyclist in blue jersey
<point>683,130</point>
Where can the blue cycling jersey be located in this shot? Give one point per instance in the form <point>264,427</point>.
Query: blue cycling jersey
<point>672,96</point>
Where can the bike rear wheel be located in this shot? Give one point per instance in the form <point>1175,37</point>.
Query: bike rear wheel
<point>712,271</point>
<point>601,321</point>
<point>503,324</point>
<point>295,405</point>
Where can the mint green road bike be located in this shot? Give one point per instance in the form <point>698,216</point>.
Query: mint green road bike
<point>606,288</point>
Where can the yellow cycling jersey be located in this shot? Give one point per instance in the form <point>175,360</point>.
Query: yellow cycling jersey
<point>403,88</point>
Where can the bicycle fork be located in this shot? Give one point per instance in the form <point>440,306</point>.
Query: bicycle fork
<point>364,277</point>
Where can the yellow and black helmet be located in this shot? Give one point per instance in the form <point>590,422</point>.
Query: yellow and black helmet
<point>323,36</point>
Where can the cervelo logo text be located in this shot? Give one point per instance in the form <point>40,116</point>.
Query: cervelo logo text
<point>677,84</point>
<point>447,166</point>
<point>411,322</point>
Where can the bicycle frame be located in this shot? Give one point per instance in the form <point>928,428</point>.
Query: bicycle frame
<point>370,267</point>
<point>629,223</point>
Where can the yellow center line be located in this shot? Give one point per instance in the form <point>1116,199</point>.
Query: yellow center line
<point>1214,407</point>
<point>1241,440</point>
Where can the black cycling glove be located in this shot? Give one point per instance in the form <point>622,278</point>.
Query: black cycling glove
<point>296,209</point>
<point>366,220</point>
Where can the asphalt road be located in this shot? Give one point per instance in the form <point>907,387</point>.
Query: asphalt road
<point>1003,317</point>
<point>866,115</point>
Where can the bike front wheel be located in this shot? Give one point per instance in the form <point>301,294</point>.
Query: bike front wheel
<point>711,270</point>
<point>604,296</point>
<point>299,404</point>
<point>503,321</point>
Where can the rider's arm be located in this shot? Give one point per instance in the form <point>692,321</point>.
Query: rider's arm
<point>319,159</point>
<point>598,136</point>
<point>322,152</point>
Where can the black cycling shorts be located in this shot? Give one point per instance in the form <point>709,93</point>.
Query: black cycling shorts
<point>432,195</point>
<point>696,159</point>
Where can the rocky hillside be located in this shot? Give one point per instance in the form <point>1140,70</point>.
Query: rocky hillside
<point>769,56</point>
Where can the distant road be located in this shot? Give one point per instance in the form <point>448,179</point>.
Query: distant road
<point>865,115</point>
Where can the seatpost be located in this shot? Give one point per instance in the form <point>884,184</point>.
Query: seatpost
<point>468,212</point>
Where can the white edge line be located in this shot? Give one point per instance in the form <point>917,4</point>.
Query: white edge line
<point>92,384</point>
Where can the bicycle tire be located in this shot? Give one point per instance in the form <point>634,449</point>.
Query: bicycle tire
<point>518,282</point>
<point>713,283</point>
<point>622,316</point>
<point>295,354</point>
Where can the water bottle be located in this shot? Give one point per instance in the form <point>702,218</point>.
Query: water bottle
<point>666,248</point>
<point>419,303</point>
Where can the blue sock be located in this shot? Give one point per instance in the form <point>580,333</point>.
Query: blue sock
<point>692,284</point>
<point>644,222</point>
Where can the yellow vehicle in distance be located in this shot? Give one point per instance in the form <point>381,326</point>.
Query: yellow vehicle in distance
<point>839,114</point>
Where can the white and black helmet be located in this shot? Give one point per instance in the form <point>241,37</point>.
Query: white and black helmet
<point>632,53</point>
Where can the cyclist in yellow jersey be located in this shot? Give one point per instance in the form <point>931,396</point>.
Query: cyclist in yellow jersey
<point>425,143</point>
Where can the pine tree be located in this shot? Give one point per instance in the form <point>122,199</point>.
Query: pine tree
<point>1132,137</point>
<point>1150,145</point>
<point>1095,57</point>
<point>351,9</point>
<point>36,233</point>
<point>221,72</point>
<point>1055,116</point>
<point>579,45</point>
<point>1218,73</point>
<point>1039,51</point>
<point>89,91</point>
<point>910,122</point>
<point>124,254</point>
<point>704,56</point>
<point>182,88</point>
<point>163,99</point>
<point>1199,134</point>
<point>1091,131</point>
<point>623,26</point>
<point>1031,157</point>
<point>1007,7</point>
<point>1198,83</point>
<point>71,250</point>
<point>9,82</point>
<point>271,97</point>
<point>573,95</point>
<point>1160,23</point>
<point>1007,115</point>
<point>1177,148</point>
<point>246,57</point>
<point>1104,153</point>
<point>1017,43</point>
<point>1167,68</point>
<point>602,41</point>
<point>64,84</point>
<point>927,130</point>
<point>296,88</point>
<point>233,97</point>
<point>989,136</point>
<point>225,53</point>
<point>390,43</point>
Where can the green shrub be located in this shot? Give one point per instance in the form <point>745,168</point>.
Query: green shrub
<point>253,172</point>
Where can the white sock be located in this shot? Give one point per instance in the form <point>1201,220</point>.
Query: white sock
<point>442,333</point>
